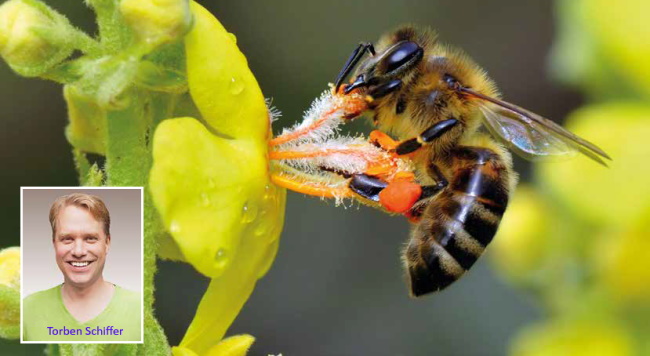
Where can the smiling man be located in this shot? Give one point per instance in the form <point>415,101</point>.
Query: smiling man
<point>85,307</point>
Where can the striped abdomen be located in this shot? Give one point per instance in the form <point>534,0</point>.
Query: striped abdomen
<point>459,222</point>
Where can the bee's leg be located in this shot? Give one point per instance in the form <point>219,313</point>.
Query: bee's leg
<point>426,137</point>
<point>355,57</point>
<point>383,89</point>
<point>428,191</point>
<point>367,186</point>
<point>397,197</point>
<point>382,140</point>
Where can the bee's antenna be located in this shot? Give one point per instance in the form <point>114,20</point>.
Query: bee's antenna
<point>354,59</point>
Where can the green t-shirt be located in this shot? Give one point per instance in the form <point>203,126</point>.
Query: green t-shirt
<point>47,319</point>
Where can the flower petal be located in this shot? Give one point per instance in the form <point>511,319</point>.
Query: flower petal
<point>220,82</point>
<point>237,345</point>
<point>209,191</point>
<point>227,294</point>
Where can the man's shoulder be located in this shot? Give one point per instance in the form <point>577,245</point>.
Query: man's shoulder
<point>127,295</point>
<point>39,298</point>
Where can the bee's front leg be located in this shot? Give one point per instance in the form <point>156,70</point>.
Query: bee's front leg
<point>352,62</point>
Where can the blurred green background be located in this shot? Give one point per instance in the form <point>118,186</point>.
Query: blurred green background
<point>337,285</point>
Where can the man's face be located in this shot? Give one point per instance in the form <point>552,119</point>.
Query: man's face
<point>80,246</point>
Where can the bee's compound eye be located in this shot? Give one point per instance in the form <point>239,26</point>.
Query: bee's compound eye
<point>402,54</point>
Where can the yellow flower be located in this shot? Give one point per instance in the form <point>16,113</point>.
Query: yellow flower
<point>623,32</point>
<point>10,267</point>
<point>10,293</point>
<point>604,47</point>
<point>614,196</point>
<point>237,345</point>
<point>210,181</point>
<point>622,262</point>
<point>573,338</point>
<point>523,236</point>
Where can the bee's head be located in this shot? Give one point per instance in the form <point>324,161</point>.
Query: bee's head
<point>397,57</point>
<point>394,63</point>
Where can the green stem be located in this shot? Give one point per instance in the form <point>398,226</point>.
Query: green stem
<point>128,160</point>
<point>114,34</point>
<point>86,44</point>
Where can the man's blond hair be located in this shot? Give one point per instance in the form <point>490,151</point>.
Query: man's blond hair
<point>91,203</point>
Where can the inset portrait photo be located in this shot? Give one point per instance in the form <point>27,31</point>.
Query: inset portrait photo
<point>81,270</point>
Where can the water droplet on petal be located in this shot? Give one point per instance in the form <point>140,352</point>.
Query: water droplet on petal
<point>236,86</point>
<point>233,38</point>
<point>174,227</point>
<point>249,213</point>
<point>220,258</point>
<point>268,192</point>
<point>211,183</point>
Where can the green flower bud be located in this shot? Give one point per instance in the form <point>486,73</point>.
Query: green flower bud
<point>157,21</point>
<point>87,128</point>
<point>33,37</point>
<point>10,293</point>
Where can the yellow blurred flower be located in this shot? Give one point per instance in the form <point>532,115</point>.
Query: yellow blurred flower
<point>614,196</point>
<point>10,267</point>
<point>523,234</point>
<point>623,263</point>
<point>573,338</point>
<point>10,293</point>
<point>597,251</point>
<point>621,28</point>
<point>603,47</point>
<point>210,183</point>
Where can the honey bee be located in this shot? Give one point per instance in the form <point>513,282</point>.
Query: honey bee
<point>435,99</point>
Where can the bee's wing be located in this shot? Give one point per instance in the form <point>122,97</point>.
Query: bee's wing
<point>532,136</point>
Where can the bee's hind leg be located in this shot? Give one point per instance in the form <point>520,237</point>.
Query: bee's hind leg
<point>367,186</point>
<point>395,197</point>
